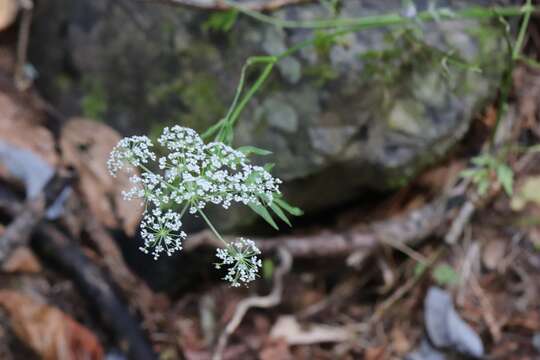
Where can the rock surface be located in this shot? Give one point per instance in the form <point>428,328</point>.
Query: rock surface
<point>367,112</point>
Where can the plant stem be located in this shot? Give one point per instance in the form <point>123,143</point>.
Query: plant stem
<point>184,209</point>
<point>527,10</point>
<point>212,228</point>
<point>345,26</point>
<point>383,20</point>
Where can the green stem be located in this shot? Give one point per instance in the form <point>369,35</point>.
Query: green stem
<point>527,10</point>
<point>345,26</point>
<point>252,90</point>
<point>383,20</point>
<point>184,209</point>
<point>212,228</point>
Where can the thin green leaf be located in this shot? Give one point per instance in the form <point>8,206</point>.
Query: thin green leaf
<point>269,166</point>
<point>221,21</point>
<point>247,150</point>
<point>262,212</point>
<point>467,173</point>
<point>213,129</point>
<point>506,178</point>
<point>293,210</point>
<point>276,209</point>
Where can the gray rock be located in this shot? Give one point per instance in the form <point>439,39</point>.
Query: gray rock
<point>445,327</point>
<point>368,112</point>
<point>34,173</point>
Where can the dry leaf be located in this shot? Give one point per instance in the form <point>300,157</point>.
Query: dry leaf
<point>86,146</point>
<point>493,253</point>
<point>52,334</point>
<point>288,328</point>
<point>21,125</point>
<point>375,353</point>
<point>276,350</point>
<point>528,192</point>
<point>8,12</point>
<point>22,260</point>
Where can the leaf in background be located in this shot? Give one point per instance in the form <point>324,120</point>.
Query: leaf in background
<point>52,334</point>
<point>293,210</point>
<point>212,129</point>
<point>419,269</point>
<point>528,192</point>
<point>280,213</point>
<point>262,212</point>
<point>506,178</point>
<point>269,166</point>
<point>268,269</point>
<point>221,21</point>
<point>247,150</point>
<point>444,274</point>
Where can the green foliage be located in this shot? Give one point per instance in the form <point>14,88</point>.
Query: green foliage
<point>221,21</point>
<point>444,275</point>
<point>268,269</point>
<point>323,43</point>
<point>248,150</point>
<point>486,170</point>
<point>94,103</point>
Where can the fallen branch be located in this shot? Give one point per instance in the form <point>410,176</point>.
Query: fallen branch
<point>409,228</point>
<point>217,5</point>
<point>18,232</point>
<point>270,300</point>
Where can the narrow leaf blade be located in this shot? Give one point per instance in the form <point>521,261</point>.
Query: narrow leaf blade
<point>262,212</point>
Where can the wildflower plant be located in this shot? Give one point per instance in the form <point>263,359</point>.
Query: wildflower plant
<point>190,176</point>
<point>195,172</point>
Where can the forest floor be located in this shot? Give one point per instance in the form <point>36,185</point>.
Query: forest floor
<point>67,293</point>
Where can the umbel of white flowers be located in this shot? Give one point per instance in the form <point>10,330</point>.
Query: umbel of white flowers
<point>193,174</point>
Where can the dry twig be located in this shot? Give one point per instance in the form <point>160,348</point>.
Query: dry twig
<point>270,300</point>
<point>27,217</point>
<point>409,228</point>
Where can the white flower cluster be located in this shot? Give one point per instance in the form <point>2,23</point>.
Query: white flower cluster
<point>161,233</point>
<point>132,151</point>
<point>193,175</point>
<point>211,173</point>
<point>240,257</point>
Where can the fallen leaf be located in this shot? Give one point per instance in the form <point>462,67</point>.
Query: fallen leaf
<point>8,12</point>
<point>289,329</point>
<point>86,146</point>
<point>52,334</point>
<point>375,353</point>
<point>399,341</point>
<point>276,350</point>
<point>493,253</point>
<point>22,124</point>
<point>528,191</point>
<point>22,260</point>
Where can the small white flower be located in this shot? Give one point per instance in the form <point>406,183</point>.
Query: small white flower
<point>132,151</point>
<point>161,233</point>
<point>240,259</point>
